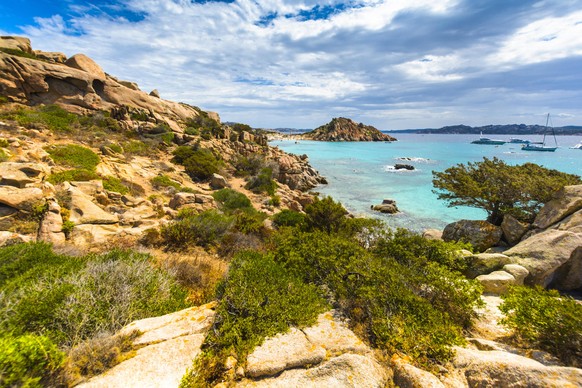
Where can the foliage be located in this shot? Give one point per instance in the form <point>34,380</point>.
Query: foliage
<point>199,163</point>
<point>18,53</point>
<point>417,308</point>
<point>136,147</point>
<point>71,299</point>
<point>73,155</point>
<point>248,165</point>
<point>259,298</point>
<point>263,182</point>
<point>547,320</point>
<point>52,117</point>
<point>166,181</point>
<point>76,175</point>
<point>3,156</point>
<point>205,124</point>
<point>231,200</point>
<point>287,217</point>
<point>189,228</point>
<point>4,143</point>
<point>97,355</point>
<point>115,184</point>
<point>29,361</point>
<point>499,188</point>
<point>325,214</point>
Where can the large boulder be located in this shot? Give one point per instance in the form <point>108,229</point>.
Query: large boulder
<point>497,282</point>
<point>387,206</point>
<point>85,211</point>
<point>552,257</point>
<point>284,351</point>
<point>484,263</point>
<point>21,199</point>
<point>503,369</point>
<point>83,62</point>
<point>517,271</point>
<point>21,174</point>
<point>567,201</point>
<point>16,43</point>
<point>481,234</point>
<point>218,182</point>
<point>51,225</point>
<point>513,229</point>
<point>9,238</point>
<point>409,376</point>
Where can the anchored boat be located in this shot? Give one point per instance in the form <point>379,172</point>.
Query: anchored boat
<point>542,146</point>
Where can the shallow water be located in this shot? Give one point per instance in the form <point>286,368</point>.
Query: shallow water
<point>361,174</point>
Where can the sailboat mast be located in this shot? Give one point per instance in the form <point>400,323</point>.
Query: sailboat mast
<point>546,130</point>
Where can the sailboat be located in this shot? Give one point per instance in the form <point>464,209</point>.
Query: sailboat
<point>542,146</point>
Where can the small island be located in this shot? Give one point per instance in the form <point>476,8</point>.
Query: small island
<point>344,129</point>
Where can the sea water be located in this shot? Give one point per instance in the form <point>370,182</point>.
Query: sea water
<point>361,174</point>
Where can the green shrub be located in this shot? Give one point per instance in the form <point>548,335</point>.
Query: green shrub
<point>420,310</point>
<point>71,299</point>
<point>275,200</point>
<point>115,184</point>
<point>164,181</point>
<point>287,217</point>
<point>75,156</point>
<point>18,53</point>
<point>29,361</point>
<point>3,156</point>
<point>182,153</point>
<point>136,147</point>
<point>52,117</point>
<point>259,298</point>
<point>202,164</point>
<point>250,222</point>
<point>4,143</point>
<point>325,214</point>
<point>189,228</point>
<point>192,131</point>
<point>547,320</point>
<point>231,200</point>
<point>77,175</point>
<point>263,183</point>
<point>116,148</point>
<point>248,165</point>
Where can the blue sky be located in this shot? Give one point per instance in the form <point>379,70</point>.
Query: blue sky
<point>280,63</point>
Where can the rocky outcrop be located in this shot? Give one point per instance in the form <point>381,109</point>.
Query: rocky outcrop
<point>79,85</point>
<point>343,129</point>
<point>51,225</point>
<point>499,368</point>
<point>497,282</point>
<point>326,354</point>
<point>21,174</point>
<point>295,172</point>
<point>20,199</point>
<point>19,43</point>
<point>566,202</point>
<point>481,234</point>
<point>167,346</point>
<point>513,230</point>
<point>484,263</point>
<point>387,206</point>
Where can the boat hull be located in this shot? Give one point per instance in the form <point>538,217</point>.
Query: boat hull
<point>540,149</point>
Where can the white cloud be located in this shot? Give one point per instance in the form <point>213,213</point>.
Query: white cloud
<point>382,60</point>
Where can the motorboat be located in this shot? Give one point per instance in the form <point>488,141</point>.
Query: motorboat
<point>486,140</point>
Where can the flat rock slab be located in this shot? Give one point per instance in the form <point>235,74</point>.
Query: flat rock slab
<point>155,366</point>
<point>502,369</point>
<point>409,376</point>
<point>194,320</point>
<point>347,370</point>
<point>333,335</point>
<point>284,351</point>
<point>497,282</point>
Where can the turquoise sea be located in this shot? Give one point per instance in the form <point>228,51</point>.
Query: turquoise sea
<point>361,174</point>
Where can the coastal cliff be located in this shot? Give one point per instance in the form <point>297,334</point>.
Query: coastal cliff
<point>343,129</point>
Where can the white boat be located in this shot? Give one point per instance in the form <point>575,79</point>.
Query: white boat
<point>577,146</point>
<point>542,146</point>
<point>486,140</point>
<point>518,141</point>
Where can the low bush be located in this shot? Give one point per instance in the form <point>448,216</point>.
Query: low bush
<point>52,117</point>
<point>75,156</point>
<point>136,147</point>
<point>162,181</point>
<point>3,156</point>
<point>259,298</point>
<point>71,299</point>
<point>325,214</point>
<point>204,229</point>
<point>115,184</point>
<point>287,217</point>
<point>97,355</point>
<point>547,320</point>
<point>76,175</point>
<point>18,53</point>
<point>231,200</point>
<point>202,164</point>
<point>29,361</point>
<point>248,165</point>
<point>263,182</point>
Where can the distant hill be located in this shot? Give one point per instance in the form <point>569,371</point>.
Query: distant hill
<point>508,129</point>
<point>343,129</point>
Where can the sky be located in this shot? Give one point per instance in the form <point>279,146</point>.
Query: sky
<point>394,64</point>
